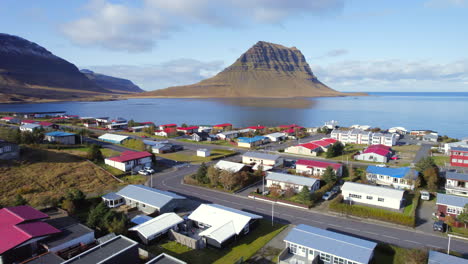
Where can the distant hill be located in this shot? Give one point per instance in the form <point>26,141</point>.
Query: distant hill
<point>265,70</point>
<point>114,84</point>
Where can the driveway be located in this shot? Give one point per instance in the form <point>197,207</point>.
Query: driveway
<point>424,215</point>
<point>267,253</point>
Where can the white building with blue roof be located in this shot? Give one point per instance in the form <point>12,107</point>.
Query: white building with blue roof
<point>286,181</point>
<point>308,244</point>
<point>248,142</point>
<point>441,258</point>
<point>398,178</point>
<point>61,137</point>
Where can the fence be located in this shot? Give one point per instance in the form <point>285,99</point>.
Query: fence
<point>186,240</point>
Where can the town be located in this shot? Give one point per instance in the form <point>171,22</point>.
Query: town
<point>111,190</point>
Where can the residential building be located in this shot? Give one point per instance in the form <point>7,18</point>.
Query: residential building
<point>452,205</point>
<point>286,181</point>
<point>166,132</point>
<point>308,244</point>
<point>263,159</point>
<point>10,119</point>
<point>448,146</point>
<point>227,135</point>
<point>72,235</point>
<point>309,149</point>
<point>456,183</point>
<point>29,127</point>
<point>372,195</point>
<point>398,130</point>
<point>201,136</point>
<point>187,130</point>
<point>459,157</point>
<point>138,128</point>
<point>247,142</point>
<point>220,224</point>
<point>146,199</point>
<point>206,129</point>
<point>9,150</point>
<point>375,153</point>
<point>276,137</point>
<point>358,136</point>
<point>61,137</point>
<point>164,258</point>
<point>233,167</point>
<point>223,127</point>
<point>317,168</point>
<point>162,127</point>
<point>27,121</point>
<point>436,257</point>
<point>361,127</point>
<point>332,124</point>
<point>203,153</point>
<point>117,250</point>
<point>421,132</point>
<point>130,160</point>
<point>113,138</point>
<point>387,139</point>
<point>162,147</point>
<point>21,227</point>
<point>157,227</point>
<point>398,178</point>
<point>117,125</point>
<point>47,125</point>
<point>430,137</point>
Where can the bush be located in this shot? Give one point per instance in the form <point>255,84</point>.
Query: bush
<point>317,195</point>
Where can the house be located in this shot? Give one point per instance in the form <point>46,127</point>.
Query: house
<point>27,121</point>
<point>203,153</point>
<point>166,132</point>
<point>258,128</point>
<point>276,137</point>
<point>317,168</point>
<point>9,151</point>
<point>263,159</point>
<point>162,127</point>
<point>421,132</point>
<point>387,139</point>
<point>130,160</point>
<point>163,258</point>
<point>117,250</point>
<point>138,128</point>
<point>157,227</point>
<point>206,129</point>
<point>309,149</point>
<point>308,244</point>
<point>361,127</point>
<point>448,146</point>
<point>220,224</point>
<point>332,124</point>
<point>247,142</point>
<point>161,147</point>
<point>459,157</point>
<point>398,178</point>
<point>113,138</point>
<point>117,125</point>
<point>146,199</point>
<point>233,167</point>
<point>201,136</point>
<point>430,137</point>
<point>286,181</point>
<point>359,136</point>
<point>61,137</point>
<point>47,125</point>
<point>372,195</point>
<point>29,127</point>
<point>10,119</point>
<point>188,130</point>
<point>451,205</point>
<point>398,130</point>
<point>223,127</point>
<point>101,121</point>
<point>227,135</point>
<point>436,257</point>
<point>20,229</point>
<point>376,153</point>
<point>456,183</point>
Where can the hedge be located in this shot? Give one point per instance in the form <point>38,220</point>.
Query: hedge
<point>371,212</point>
<point>317,195</point>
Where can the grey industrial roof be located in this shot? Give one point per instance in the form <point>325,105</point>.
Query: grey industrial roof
<point>47,258</point>
<point>452,200</point>
<point>340,245</point>
<point>150,196</point>
<point>260,155</point>
<point>165,259</point>
<point>288,178</point>
<point>32,126</point>
<point>441,258</point>
<point>104,251</point>
<point>70,228</point>
<point>456,176</point>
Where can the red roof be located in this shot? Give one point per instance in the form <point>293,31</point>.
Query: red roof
<point>291,130</point>
<point>58,118</point>
<point>256,127</point>
<point>27,121</point>
<point>321,143</point>
<point>290,126</point>
<point>19,214</point>
<point>379,146</point>
<point>188,128</point>
<point>7,118</point>
<point>131,155</point>
<point>169,125</point>
<point>310,145</point>
<point>320,164</point>
<point>223,125</point>
<point>378,149</point>
<point>331,140</point>
<point>45,123</point>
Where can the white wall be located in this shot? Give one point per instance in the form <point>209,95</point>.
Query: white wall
<point>273,163</point>
<point>371,157</point>
<point>297,188</point>
<point>386,180</point>
<point>87,238</point>
<point>388,202</point>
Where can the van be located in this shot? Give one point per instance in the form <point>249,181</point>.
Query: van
<point>425,195</point>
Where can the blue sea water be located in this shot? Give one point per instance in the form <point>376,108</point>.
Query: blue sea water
<point>446,113</point>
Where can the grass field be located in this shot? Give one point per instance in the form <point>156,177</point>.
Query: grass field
<point>349,151</point>
<point>243,248</point>
<point>218,142</point>
<point>81,151</point>
<point>441,160</point>
<point>51,173</point>
<point>190,156</point>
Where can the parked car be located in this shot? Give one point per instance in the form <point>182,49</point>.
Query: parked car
<point>327,196</point>
<point>149,170</point>
<point>143,172</point>
<point>425,195</point>
<point>439,226</point>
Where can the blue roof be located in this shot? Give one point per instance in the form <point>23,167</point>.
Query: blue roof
<point>392,172</point>
<point>459,149</point>
<point>140,219</point>
<point>441,258</point>
<point>452,200</point>
<point>250,140</point>
<point>59,134</point>
<point>340,245</point>
<point>456,176</point>
<point>147,195</point>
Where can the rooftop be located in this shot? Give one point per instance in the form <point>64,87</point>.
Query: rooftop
<point>131,155</point>
<point>148,195</point>
<point>223,125</point>
<point>451,200</point>
<point>288,178</point>
<point>441,258</point>
<point>229,166</point>
<point>157,224</point>
<point>113,137</point>
<point>456,176</point>
<point>59,134</point>
<point>260,155</point>
<point>403,172</point>
<point>319,164</point>
<point>165,259</point>
<point>250,140</point>
<point>29,125</point>
<point>46,258</point>
<point>70,231</point>
<point>459,149</point>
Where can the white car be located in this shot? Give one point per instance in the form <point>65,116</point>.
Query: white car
<point>149,169</point>
<point>425,195</point>
<point>143,172</point>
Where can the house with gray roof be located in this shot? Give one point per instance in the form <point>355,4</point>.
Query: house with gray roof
<point>441,258</point>
<point>456,183</point>
<point>264,159</point>
<point>450,205</point>
<point>286,181</point>
<point>308,244</point>
<point>146,199</point>
<point>9,150</point>
<point>29,127</point>
<point>230,166</point>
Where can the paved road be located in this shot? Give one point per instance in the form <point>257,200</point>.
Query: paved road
<point>404,237</point>
<point>423,152</point>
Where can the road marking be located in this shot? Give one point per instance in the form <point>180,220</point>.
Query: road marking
<point>412,242</point>
<point>432,246</point>
<point>333,225</point>
<point>372,233</point>
<point>391,237</point>
<point>354,229</point>
<point>288,215</point>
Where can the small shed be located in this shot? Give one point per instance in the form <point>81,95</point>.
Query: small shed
<point>203,153</point>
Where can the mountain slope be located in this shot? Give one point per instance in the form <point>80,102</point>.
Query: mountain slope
<point>114,84</point>
<point>265,70</point>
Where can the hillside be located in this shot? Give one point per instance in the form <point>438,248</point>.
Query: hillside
<point>265,70</point>
<point>113,84</point>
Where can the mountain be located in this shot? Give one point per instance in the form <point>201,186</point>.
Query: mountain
<point>265,70</point>
<point>114,84</point>
<point>30,72</point>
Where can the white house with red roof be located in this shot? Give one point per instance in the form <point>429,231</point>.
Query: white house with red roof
<point>317,168</point>
<point>312,148</point>
<point>10,119</point>
<point>27,121</point>
<point>166,132</point>
<point>375,153</point>
<point>162,127</point>
<point>21,227</point>
<point>188,130</point>
<point>223,127</point>
<point>130,160</point>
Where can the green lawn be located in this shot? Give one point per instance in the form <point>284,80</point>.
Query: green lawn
<point>389,254</point>
<point>218,142</point>
<point>441,160</point>
<point>185,157</point>
<point>459,231</point>
<point>244,248</point>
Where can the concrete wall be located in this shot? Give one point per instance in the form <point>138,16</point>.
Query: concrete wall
<point>87,238</point>
<point>68,140</point>
<point>389,202</point>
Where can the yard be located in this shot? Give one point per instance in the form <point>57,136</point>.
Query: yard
<point>441,160</point>
<point>81,151</point>
<point>217,142</point>
<point>406,153</point>
<point>244,248</point>
<point>190,156</point>
<point>349,151</point>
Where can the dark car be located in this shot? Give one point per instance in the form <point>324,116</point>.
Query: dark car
<point>439,226</point>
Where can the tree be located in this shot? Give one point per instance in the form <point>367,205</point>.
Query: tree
<point>116,225</point>
<point>47,201</point>
<point>96,215</point>
<point>184,125</point>
<point>463,217</point>
<point>289,192</point>
<point>244,178</point>
<point>304,195</point>
<point>335,150</point>
<point>227,179</point>
<point>68,206</point>
<point>19,200</point>
<point>425,163</point>
<point>259,172</point>
<point>329,175</point>
<point>213,175</point>
<point>132,123</point>
<point>149,130</point>
<point>275,190</point>
<point>94,153</point>
<point>431,176</point>
<point>201,175</point>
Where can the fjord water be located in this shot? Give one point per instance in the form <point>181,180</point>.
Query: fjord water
<point>446,113</point>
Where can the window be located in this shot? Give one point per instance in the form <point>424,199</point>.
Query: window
<point>380,199</point>
<point>395,180</point>
<point>337,260</point>
<point>355,196</point>
<point>369,197</point>
<point>293,248</point>
<point>325,257</point>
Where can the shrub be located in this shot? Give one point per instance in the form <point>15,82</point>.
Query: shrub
<point>317,195</point>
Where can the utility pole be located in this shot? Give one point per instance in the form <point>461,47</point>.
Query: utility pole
<point>273,213</point>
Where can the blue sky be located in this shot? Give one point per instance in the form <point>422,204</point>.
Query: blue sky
<point>353,45</point>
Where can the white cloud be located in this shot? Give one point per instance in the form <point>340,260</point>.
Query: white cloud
<point>156,76</point>
<point>135,29</point>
